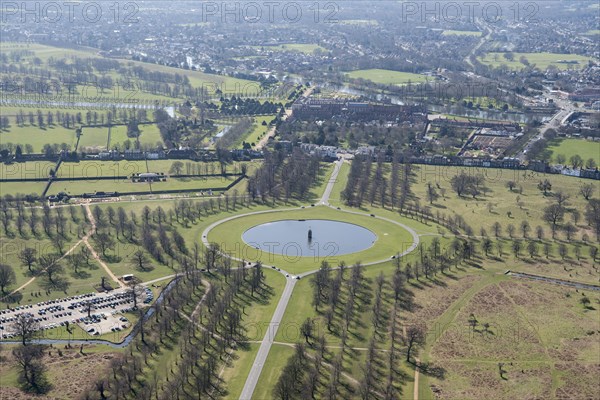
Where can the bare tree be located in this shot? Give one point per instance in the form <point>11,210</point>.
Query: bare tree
<point>415,337</point>
<point>7,277</point>
<point>26,327</point>
<point>50,264</point>
<point>587,190</point>
<point>140,261</point>
<point>104,241</point>
<point>32,377</point>
<point>27,256</point>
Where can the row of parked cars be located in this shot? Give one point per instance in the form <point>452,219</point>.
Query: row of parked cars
<point>112,301</point>
<point>149,296</point>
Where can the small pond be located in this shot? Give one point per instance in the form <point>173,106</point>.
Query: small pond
<point>290,238</point>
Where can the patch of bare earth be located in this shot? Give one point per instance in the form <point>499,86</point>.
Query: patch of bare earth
<point>499,333</point>
<point>71,374</point>
<point>482,381</point>
<point>431,303</point>
<point>578,381</point>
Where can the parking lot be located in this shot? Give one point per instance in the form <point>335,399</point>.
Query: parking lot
<point>103,315</point>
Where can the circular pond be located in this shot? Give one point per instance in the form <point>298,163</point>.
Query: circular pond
<point>326,238</point>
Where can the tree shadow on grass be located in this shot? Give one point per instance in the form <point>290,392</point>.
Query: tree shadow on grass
<point>81,275</point>
<point>58,284</point>
<point>13,298</point>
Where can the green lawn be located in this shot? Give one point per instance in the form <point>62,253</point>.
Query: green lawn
<point>335,197</point>
<point>570,147</point>
<point>26,170</point>
<point>91,186</point>
<point>197,79</point>
<point>194,183</point>
<point>390,239</point>
<point>541,60</point>
<point>15,188</point>
<point>237,371</point>
<point>297,47</point>
<point>96,138</point>
<point>258,130</point>
<point>387,77</point>
<point>274,364</point>
<point>37,137</point>
<point>255,323</point>
<point>461,33</point>
<point>95,168</point>
<point>362,22</point>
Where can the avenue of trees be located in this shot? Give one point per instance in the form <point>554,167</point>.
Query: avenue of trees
<point>203,323</point>
<point>367,183</point>
<point>284,178</point>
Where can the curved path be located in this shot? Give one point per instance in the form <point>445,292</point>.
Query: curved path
<point>84,240</point>
<point>265,345</point>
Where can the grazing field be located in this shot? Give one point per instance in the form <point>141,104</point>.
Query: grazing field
<point>571,147</point>
<point>387,77</point>
<point>306,48</point>
<point>26,170</point>
<point>97,168</point>
<point>528,339</point>
<point>497,202</point>
<point>37,137</point>
<point>540,60</point>
<point>462,33</point>
<point>75,188</point>
<point>95,138</point>
<point>197,79</point>
<point>149,135</point>
<point>15,188</point>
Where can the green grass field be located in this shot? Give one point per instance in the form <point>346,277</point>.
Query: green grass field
<point>387,77</point>
<point>462,33</point>
<point>149,135</point>
<point>90,186</point>
<point>258,130</point>
<point>26,170</point>
<point>255,323</point>
<point>306,48</point>
<point>570,147</point>
<point>197,79</point>
<point>276,361</point>
<point>36,137</point>
<point>15,188</point>
<point>391,239</point>
<point>360,22</point>
<point>96,168</point>
<point>541,60</point>
<point>95,138</point>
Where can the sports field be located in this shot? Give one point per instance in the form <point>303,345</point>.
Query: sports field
<point>571,147</point>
